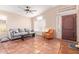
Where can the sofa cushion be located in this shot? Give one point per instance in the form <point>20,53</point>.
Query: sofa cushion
<point>26,30</point>
<point>17,34</point>
<point>14,30</point>
<point>20,30</point>
<point>24,33</point>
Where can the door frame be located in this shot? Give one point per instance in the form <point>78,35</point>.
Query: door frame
<point>59,22</point>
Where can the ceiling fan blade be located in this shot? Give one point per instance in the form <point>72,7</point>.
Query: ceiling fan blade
<point>33,10</point>
<point>26,10</point>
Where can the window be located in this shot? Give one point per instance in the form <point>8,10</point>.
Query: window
<point>2,25</point>
<point>39,24</point>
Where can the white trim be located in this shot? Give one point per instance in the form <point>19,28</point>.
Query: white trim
<point>59,21</point>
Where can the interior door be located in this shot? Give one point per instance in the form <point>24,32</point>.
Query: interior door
<point>69,27</point>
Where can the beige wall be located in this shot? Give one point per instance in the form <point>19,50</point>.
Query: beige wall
<point>49,16</point>
<point>52,20</point>
<point>16,21</point>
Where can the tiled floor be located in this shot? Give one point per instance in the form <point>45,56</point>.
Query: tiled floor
<point>66,49</point>
<point>37,45</point>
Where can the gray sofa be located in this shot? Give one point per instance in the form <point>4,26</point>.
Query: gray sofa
<point>17,33</point>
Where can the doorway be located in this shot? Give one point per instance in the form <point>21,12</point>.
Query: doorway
<point>69,27</point>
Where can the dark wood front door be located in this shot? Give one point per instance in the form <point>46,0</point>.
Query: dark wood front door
<point>69,27</point>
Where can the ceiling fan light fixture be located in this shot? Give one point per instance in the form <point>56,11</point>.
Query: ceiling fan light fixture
<point>29,10</point>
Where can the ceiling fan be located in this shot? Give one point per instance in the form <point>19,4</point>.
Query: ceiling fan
<point>28,9</point>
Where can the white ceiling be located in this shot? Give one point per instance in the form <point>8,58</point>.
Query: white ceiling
<point>19,9</point>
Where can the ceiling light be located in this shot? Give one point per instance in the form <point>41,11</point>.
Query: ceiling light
<point>3,17</point>
<point>40,18</point>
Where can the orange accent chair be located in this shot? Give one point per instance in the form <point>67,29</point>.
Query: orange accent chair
<point>49,34</point>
